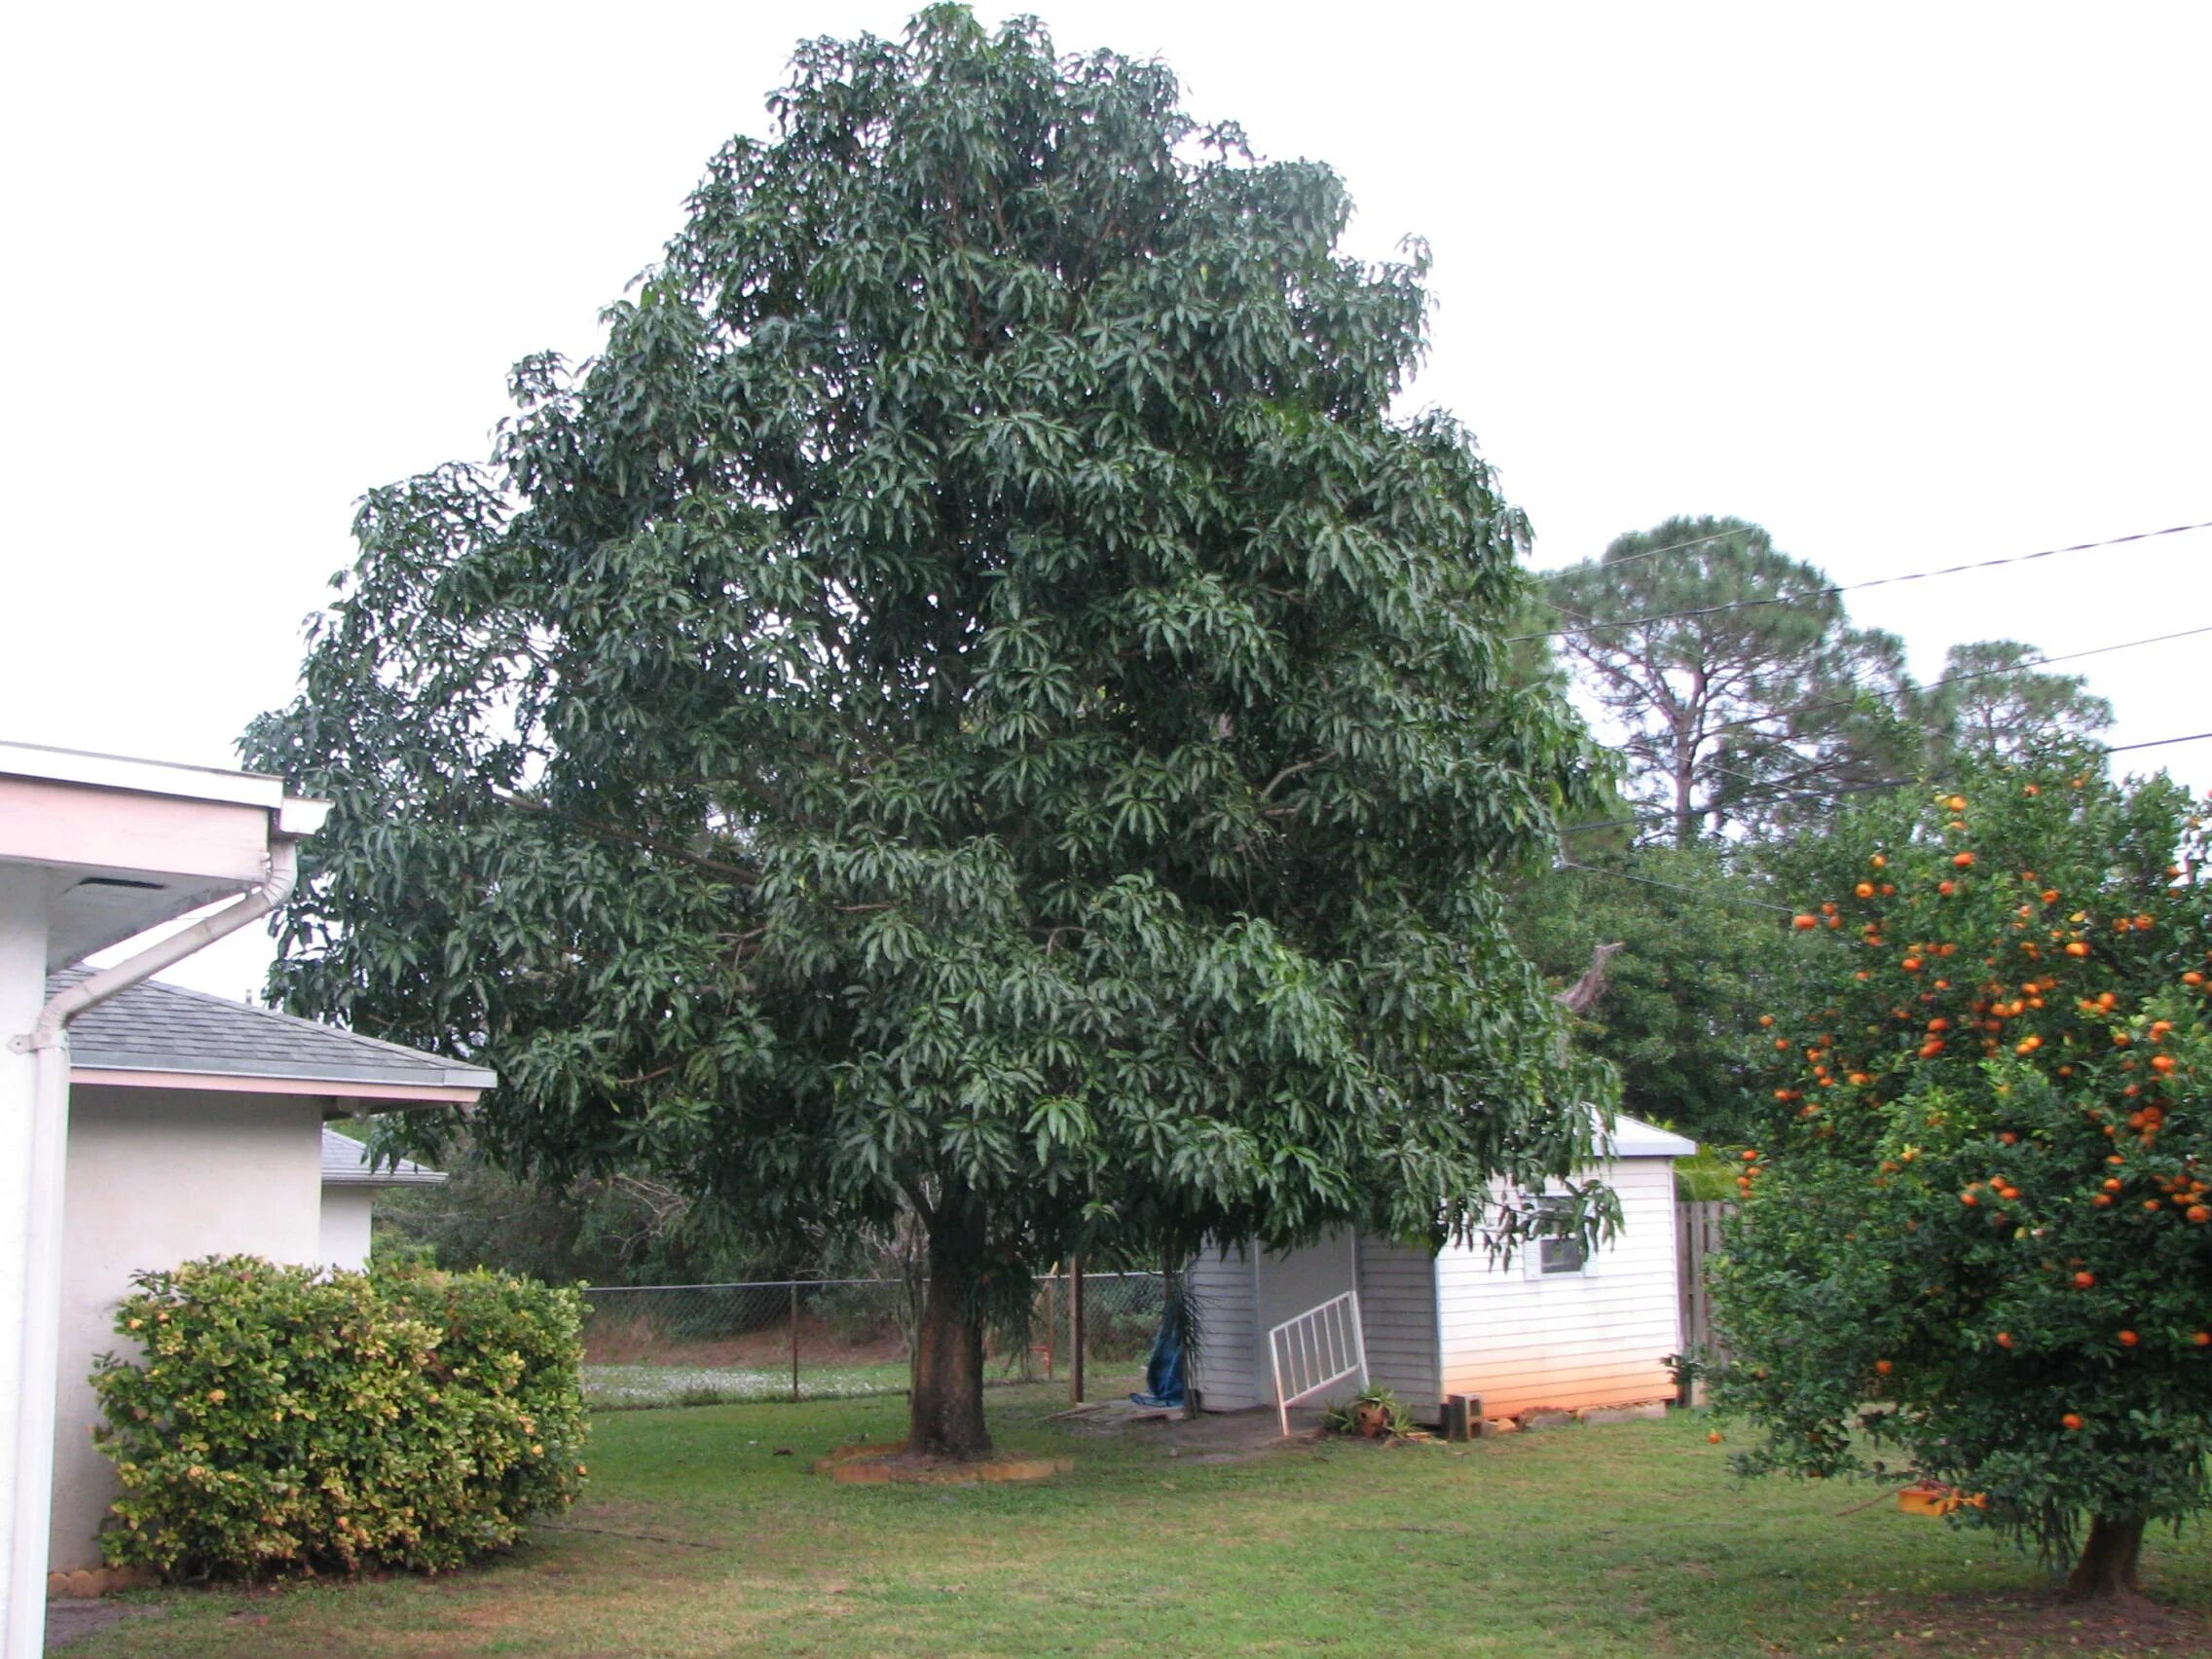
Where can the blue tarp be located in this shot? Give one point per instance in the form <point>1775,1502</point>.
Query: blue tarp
<point>1164,1371</point>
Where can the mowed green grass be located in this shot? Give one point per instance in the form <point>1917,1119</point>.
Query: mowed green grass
<point>1627,1540</point>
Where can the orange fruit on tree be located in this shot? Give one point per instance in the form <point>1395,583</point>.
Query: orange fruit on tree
<point>2072,1419</point>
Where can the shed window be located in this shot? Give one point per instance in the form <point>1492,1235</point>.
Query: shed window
<point>1556,1254</point>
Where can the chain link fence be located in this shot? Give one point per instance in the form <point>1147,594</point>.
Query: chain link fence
<point>701,1345</point>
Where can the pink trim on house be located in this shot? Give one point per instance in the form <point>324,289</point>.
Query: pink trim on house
<point>428,1094</point>
<point>199,840</point>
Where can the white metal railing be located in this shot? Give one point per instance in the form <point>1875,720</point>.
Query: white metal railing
<point>1316,1349</point>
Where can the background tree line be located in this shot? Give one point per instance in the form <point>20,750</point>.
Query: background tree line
<point>1745,706</point>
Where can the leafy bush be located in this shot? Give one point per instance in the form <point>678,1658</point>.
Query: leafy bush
<point>286,1419</point>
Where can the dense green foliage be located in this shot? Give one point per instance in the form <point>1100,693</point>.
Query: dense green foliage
<point>970,703</point>
<point>1984,1199</point>
<point>279,1419</point>
<point>617,1228</point>
<point>1680,997</point>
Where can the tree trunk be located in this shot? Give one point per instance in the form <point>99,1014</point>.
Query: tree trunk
<point>947,1411</point>
<point>2109,1556</point>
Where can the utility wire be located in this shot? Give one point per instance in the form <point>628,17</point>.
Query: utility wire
<point>1854,587</point>
<point>2157,743</point>
<point>1659,814</point>
<point>1654,552</point>
<point>1956,679</point>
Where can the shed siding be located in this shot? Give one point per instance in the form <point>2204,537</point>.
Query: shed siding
<point>1571,1342</point>
<point>1397,1317</point>
<point>1238,1307</point>
<point>1224,1367</point>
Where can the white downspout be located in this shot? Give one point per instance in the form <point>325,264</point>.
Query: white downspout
<point>47,1043</point>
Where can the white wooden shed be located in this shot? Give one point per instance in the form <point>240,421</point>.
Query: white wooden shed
<point>1553,1327</point>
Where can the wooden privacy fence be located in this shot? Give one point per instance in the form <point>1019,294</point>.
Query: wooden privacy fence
<point>1697,1238</point>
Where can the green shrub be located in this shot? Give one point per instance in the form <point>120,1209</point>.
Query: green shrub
<point>286,1419</point>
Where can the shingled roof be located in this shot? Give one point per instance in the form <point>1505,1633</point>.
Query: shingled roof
<point>154,1027</point>
<point>345,1163</point>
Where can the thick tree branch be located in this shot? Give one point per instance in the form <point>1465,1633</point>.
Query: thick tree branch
<point>631,837</point>
<point>1582,996</point>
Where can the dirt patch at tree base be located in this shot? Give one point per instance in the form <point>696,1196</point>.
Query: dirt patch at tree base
<point>2047,1624</point>
<point>894,1466</point>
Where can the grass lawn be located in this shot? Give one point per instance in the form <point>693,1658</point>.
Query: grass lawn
<point>697,1538</point>
<point>629,1387</point>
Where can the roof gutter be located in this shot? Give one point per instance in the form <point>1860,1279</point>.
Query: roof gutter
<point>47,1042</point>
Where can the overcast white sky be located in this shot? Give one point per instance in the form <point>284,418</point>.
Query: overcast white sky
<point>1908,284</point>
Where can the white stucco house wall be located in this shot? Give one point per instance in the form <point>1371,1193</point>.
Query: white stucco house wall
<point>197,1129</point>
<point>94,850</point>
<point>351,1183</point>
<point>1553,1327</point>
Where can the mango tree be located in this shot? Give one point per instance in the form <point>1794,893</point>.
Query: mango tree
<point>972,706</point>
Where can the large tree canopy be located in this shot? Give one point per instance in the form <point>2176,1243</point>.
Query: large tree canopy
<point>1744,694</point>
<point>972,702</point>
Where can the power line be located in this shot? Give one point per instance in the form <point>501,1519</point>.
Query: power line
<point>1956,679</point>
<point>1854,587</point>
<point>1654,552</point>
<point>1659,813</point>
<point>2157,743</point>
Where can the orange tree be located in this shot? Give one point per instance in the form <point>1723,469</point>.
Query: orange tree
<point>1976,1236</point>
